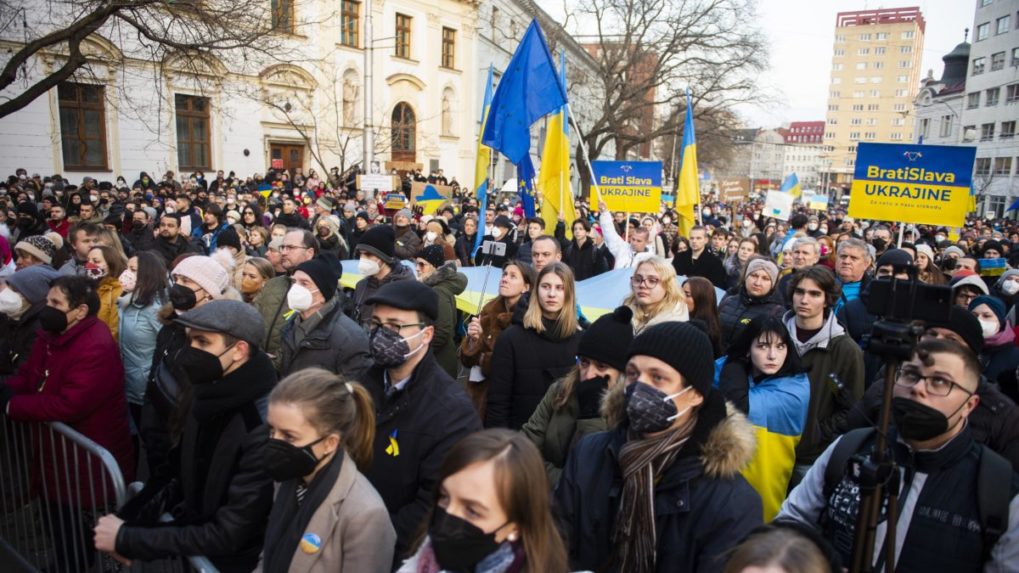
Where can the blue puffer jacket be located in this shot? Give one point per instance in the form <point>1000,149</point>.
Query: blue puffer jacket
<point>139,326</point>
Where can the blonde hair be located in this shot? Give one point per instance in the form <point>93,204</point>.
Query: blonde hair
<point>566,320</point>
<point>673,292</point>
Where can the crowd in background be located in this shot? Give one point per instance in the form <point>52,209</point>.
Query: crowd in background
<point>195,328</point>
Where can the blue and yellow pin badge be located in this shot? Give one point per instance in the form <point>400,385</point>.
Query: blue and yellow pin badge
<point>311,543</point>
<point>394,447</point>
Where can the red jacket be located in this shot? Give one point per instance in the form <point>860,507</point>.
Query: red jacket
<point>76,378</point>
<point>60,228</point>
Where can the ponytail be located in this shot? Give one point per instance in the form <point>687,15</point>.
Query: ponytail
<point>360,438</point>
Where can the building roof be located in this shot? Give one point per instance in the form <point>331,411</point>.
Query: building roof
<point>803,132</point>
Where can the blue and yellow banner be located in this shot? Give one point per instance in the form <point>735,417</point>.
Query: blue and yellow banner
<point>628,186</point>
<point>924,184</point>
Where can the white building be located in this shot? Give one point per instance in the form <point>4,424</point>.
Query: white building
<point>302,108</point>
<point>992,103</point>
<point>939,104</point>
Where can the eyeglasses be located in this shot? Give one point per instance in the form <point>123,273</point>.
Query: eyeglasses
<point>934,385</point>
<point>392,326</point>
<point>651,282</point>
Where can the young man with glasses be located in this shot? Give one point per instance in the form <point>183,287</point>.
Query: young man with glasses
<point>420,412</point>
<point>942,522</point>
<point>299,245</point>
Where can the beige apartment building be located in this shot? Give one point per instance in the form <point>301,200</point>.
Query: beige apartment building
<point>875,75</point>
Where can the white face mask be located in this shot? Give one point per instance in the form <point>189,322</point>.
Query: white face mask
<point>684,410</point>
<point>10,302</point>
<point>368,267</point>
<point>430,236</point>
<point>299,298</point>
<point>812,226</point>
<point>498,232</point>
<point>989,328</point>
<point>1010,287</point>
<point>940,238</point>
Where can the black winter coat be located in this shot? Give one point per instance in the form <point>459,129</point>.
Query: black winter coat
<point>707,265</point>
<point>737,310</point>
<point>171,251</point>
<point>336,343</point>
<point>167,385</point>
<point>586,260</point>
<point>215,486</point>
<point>17,338</point>
<point>524,365</point>
<point>414,429</point>
<point>703,506</point>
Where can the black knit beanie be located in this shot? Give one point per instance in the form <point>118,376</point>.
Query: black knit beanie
<point>682,346</point>
<point>608,339</point>
<point>325,272</point>
<point>379,241</point>
<point>434,254</point>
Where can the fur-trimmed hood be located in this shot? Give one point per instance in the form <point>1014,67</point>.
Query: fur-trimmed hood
<point>723,438</point>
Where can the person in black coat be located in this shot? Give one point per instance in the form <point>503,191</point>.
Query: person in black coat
<point>215,485</point>
<point>420,412</point>
<point>502,232</point>
<point>698,261</point>
<point>754,299</point>
<point>661,491</point>
<point>20,309</point>
<point>581,254</point>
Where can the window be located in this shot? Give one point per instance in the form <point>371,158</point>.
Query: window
<point>986,131</point>
<point>493,21</point>
<point>973,100</point>
<point>1003,25</point>
<point>282,15</point>
<point>864,37</point>
<point>449,48</point>
<point>875,93</point>
<point>899,122</point>
<point>878,65</point>
<point>997,61</point>
<point>905,64</point>
<point>82,126</point>
<point>349,15</point>
<point>1012,93</point>
<point>859,94</point>
<point>901,79</point>
<point>858,107</point>
<point>896,137</point>
<point>881,36</point>
<point>879,51</point>
<point>899,107</point>
<point>403,22</point>
<point>835,94</point>
<point>404,130</point>
<point>860,80</point>
<point>836,67</point>
<point>836,81</point>
<point>946,126</point>
<point>854,135</point>
<point>1002,165</point>
<point>872,121</point>
<point>192,132</point>
<point>991,96</point>
<point>905,49</point>
<point>869,135</point>
<point>840,52</point>
<point>978,66</point>
<point>901,93</point>
<point>833,107</point>
<point>856,121</point>
<point>982,166</point>
<point>840,39</point>
<point>863,52</point>
<point>861,65</point>
<point>907,35</point>
<point>983,31</point>
<point>833,121</point>
<point>925,127</point>
<point>985,3</point>
<point>873,107</point>
<point>1007,130</point>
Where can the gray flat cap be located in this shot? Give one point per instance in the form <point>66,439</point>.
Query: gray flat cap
<point>231,317</point>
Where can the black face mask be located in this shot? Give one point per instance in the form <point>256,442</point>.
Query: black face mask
<point>284,461</point>
<point>137,225</point>
<point>53,320</point>
<point>879,244</point>
<point>200,366</point>
<point>458,544</point>
<point>182,298</point>
<point>916,421</point>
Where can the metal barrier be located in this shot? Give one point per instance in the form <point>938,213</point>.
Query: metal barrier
<point>54,485</point>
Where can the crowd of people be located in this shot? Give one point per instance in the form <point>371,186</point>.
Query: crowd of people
<point>197,330</point>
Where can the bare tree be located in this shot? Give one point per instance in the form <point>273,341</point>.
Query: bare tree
<point>186,30</point>
<point>649,51</point>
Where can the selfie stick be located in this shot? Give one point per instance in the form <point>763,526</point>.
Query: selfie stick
<point>484,285</point>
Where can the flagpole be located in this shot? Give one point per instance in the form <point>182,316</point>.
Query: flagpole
<point>583,150</point>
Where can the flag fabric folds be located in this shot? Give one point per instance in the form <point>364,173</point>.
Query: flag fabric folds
<point>529,90</point>
<point>525,185</point>
<point>689,192</point>
<point>483,163</point>
<point>554,180</point>
<point>791,185</point>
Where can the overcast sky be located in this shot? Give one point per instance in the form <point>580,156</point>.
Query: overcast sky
<point>801,34</point>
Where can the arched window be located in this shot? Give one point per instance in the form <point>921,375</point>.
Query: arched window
<point>404,128</point>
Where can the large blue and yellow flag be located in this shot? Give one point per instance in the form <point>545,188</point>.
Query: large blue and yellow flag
<point>430,200</point>
<point>791,185</point>
<point>483,163</point>
<point>525,185</point>
<point>554,180</point>
<point>689,192</point>
<point>530,89</point>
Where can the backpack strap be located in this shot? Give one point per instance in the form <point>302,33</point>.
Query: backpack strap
<point>994,479</point>
<point>850,443</point>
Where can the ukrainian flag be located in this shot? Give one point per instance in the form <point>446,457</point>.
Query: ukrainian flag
<point>482,164</point>
<point>689,192</point>
<point>430,200</point>
<point>554,180</point>
<point>791,185</point>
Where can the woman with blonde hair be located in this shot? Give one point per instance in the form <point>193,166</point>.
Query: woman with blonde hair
<point>326,516</point>
<point>501,472</point>
<point>528,358</point>
<point>655,295</point>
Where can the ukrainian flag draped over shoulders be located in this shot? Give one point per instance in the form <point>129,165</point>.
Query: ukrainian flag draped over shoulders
<point>689,192</point>
<point>554,179</point>
<point>483,163</point>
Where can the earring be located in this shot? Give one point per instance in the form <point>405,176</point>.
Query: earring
<point>512,536</point>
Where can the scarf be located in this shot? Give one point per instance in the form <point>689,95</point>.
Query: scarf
<point>642,461</point>
<point>290,516</point>
<point>509,558</point>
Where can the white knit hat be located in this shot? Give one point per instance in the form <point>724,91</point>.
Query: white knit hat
<point>209,274</point>
<point>926,250</point>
